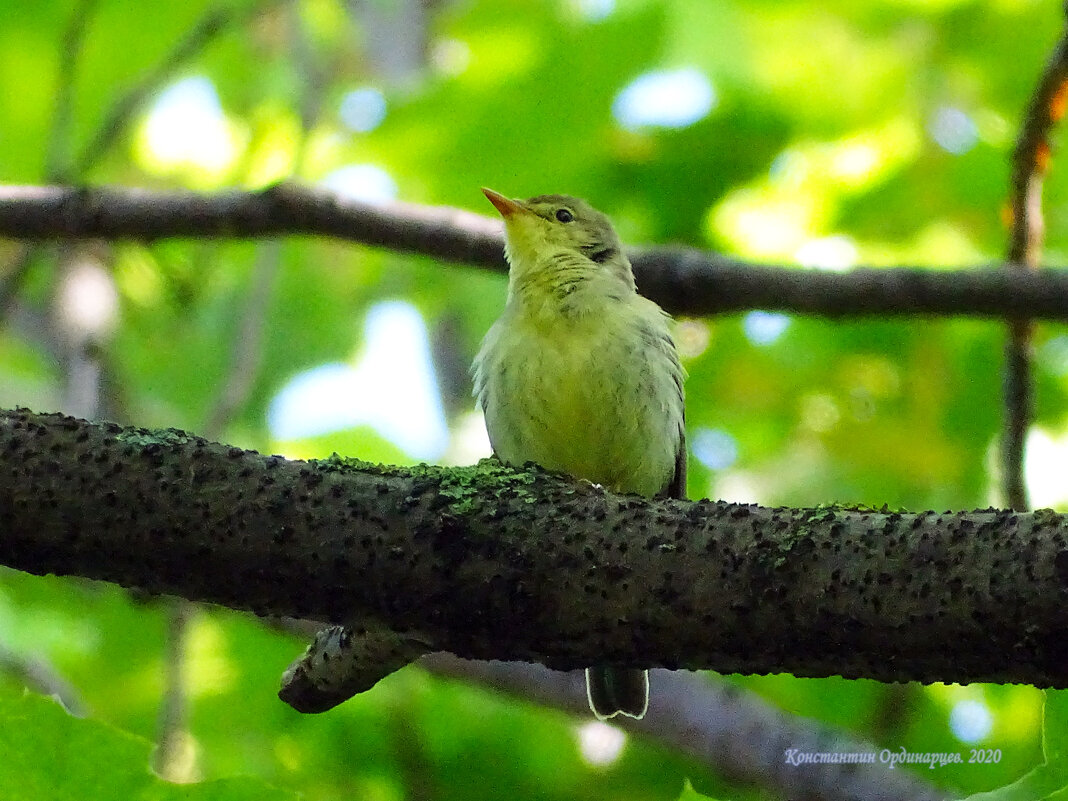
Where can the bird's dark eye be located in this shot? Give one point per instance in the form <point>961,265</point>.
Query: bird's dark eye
<point>564,215</point>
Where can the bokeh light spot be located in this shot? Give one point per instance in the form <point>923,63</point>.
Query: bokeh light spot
<point>714,448</point>
<point>836,253</point>
<point>970,721</point>
<point>391,388</point>
<point>765,328</point>
<point>665,99</point>
<point>187,128</point>
<point>692,337</point>
<point>363,109</point>
<point>953,130</point>
<point>363,182</point>
<point>594,10</point>
<point>599,743</point>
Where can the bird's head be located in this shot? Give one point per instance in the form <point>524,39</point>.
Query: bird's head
<point>558,236</point>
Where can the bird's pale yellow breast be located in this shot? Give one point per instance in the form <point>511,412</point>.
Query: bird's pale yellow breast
<point>597,395</point>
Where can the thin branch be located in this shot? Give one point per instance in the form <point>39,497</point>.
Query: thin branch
<point>247,347</point>
<point>1030,163</point>
<point>48,212</point>
<point>445,556</point>
<point>682,280</point>
<point>732,732</point>
<point>57,150</point>
<point>11,281</point>
<point>313,75</point>
<point>167,756</point>
<point>342,662</point>
<point>42,678</point>
<point>118,117</point>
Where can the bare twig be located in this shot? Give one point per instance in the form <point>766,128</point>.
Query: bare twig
<point>683,281</point>
<point>247,347</point>
<point>168,753</point>
<point>41,677</point>
<point>1030,162</point>
<point>120,114</point>
<point>57,151</point>
<point>313,74</point>
<point>11,282</point>
<point>730,731</point>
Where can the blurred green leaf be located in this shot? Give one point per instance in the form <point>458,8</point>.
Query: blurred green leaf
<point>1050,779</point>
<point>690,794</point>
<point>51,756</point>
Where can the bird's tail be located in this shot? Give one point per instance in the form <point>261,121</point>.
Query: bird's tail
<point>613,691</point>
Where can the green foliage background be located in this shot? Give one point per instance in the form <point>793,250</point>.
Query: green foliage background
<point>822,132</point>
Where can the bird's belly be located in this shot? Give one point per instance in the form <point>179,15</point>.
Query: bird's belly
<point>595,408</point>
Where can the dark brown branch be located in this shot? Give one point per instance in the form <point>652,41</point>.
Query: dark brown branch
<point>1030,163</point>
<point>49,212</point>
<point>730,731</point>
<point>448,557</point>
<point>683,281</point>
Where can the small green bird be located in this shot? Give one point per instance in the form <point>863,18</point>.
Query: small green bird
<point>580,375</point>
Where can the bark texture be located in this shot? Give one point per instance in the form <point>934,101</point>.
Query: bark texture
<point>491,562</point>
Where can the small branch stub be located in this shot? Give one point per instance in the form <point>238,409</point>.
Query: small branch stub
<point>342,662</point>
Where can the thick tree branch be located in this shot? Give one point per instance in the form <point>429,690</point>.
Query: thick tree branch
<point>490,562</point>
<point>682,280</point>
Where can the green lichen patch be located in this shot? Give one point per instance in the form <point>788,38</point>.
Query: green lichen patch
<point>1048,518</point>
<point>145,437</point>
<point>336,463</point>
<point>466,488</point>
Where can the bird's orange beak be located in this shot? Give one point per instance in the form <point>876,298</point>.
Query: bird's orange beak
<point>505,205</point>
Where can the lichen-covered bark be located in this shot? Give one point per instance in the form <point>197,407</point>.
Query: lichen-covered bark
<point>489,562</point>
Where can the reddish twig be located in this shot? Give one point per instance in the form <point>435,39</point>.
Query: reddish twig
<point>1030,163</point>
